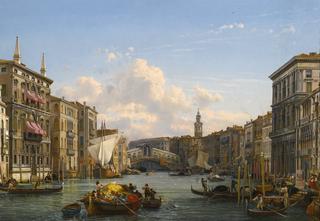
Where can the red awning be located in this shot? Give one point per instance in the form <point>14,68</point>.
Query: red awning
<point>42,132</point>
<point>31,96</point>
<point>37,130</point>
<point>30,128</point>
<point>40,99</point>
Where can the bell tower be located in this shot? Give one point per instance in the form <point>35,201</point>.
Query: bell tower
<point>198,126</point>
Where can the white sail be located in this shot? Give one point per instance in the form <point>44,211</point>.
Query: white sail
<point>102,148</point>
<point>200,159</point>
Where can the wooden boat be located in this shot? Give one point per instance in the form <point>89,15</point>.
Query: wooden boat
<point>201,193</point>
<point>100,206</point>
<point>267,188</point>
<point>71,210</point>
<point>34,191</point>
<point>149,173</point>
<point>181,173</point>
<point>215,178</point>
<point>152,203</point>
<point>219,192</point>
<point>105,173</point>
<point>266,212</point>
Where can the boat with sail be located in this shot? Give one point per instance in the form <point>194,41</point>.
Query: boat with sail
<point>198,162</point>
<point>102,150</point>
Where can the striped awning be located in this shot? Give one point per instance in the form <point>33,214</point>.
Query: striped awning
<point>35,128</point>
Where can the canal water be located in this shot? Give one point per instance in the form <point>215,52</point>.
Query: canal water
<point>179,203</point>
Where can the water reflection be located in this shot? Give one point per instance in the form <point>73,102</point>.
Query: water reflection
<point>179,203</point>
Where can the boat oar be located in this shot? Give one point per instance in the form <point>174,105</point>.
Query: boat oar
<point>276,212</point>
<point>133,212</point>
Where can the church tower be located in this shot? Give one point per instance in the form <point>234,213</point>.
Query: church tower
<point>16,55</point>
<point>198,126</point>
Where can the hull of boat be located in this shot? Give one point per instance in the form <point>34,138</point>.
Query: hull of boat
<point>257,212</point>
<point>151,204</point>
<point>35,191</point>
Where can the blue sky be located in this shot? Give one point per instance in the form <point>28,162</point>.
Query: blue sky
<point>227,48</point>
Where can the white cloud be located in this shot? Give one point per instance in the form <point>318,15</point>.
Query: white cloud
<point>290,29</point>
<point>131,49</point>
<point>140,102</point>
<point>232,26</point>
<point>111,56</point>
<point>204,98</point>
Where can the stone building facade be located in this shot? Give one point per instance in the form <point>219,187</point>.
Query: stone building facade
<point>4,142</point>
<point>308,160</point>
<point>27,93</point>
<point>64,137</point>
<point>292,82</point>
<point>87,127</point>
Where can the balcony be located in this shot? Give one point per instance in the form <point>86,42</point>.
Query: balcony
<point>32,137</point>
<point>70,134</point>
<point>70,152</point>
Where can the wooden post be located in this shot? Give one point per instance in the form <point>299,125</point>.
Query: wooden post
<point>262,172</point>
<point>239,184</point>
<point>249,180</point>
<point>245,174</point>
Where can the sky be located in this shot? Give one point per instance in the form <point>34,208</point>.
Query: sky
<point>148,65</point>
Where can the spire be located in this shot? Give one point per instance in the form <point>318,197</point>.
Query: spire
<point>16,55</point>
<point>43,66</point>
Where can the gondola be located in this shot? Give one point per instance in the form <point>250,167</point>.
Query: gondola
<point>152,203</point>
<point>71,210</point>
<point>215,178</point>
<point>201,193</point>
<point>266,212</point>
<point>179,174</point>
<point>34,190</point>
<point>219,192</point>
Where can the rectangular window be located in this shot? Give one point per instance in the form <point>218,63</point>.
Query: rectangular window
<point>81,140</point>
<point>15,159</point>
<point>308,73</point>
<point>22,159</point>
<point>3,69</point>
<point>27,159</point>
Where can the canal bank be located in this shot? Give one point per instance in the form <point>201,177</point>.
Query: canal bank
<point>179,203</point>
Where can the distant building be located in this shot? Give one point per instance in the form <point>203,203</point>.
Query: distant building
<point>266,140</point>
<point>26,93</point>
<point>4,142</point>
<point>211,145</point>
<point>249,143</point>
<point>292,83</point>
<point>87,126</point>
<point>308,148</point>
<point>198,126</point>
<point>230,147</point>
<point>64,135</point>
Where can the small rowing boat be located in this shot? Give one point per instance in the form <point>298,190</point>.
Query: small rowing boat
<point>151,203</point>
<point>71,210</point>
